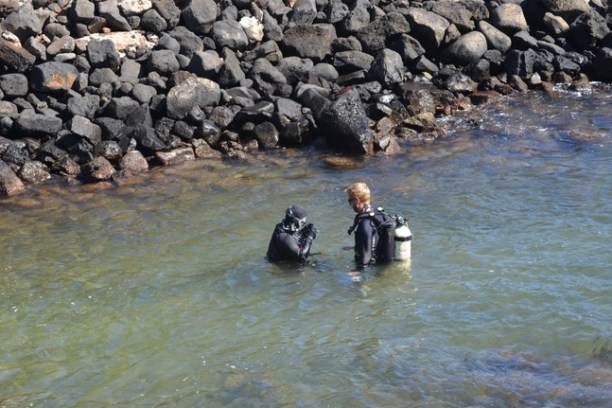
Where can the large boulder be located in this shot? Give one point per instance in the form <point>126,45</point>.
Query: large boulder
<point>192,92</point>
<point>495,37</point>
<point>345,124</point>
<point>37,125</point>
<point>374,36</point>
<point>24,22</point>
<point>509,18</point>
<point>53,76</point>
<point>309,41</point>
<point>15,57</point>
<point>467,49</point>
<point>387,68</point>
<point>229,33</point>
<point>427,27</point>
<point>588,30</point>
<point>199,15</point>
<point>568,9</point>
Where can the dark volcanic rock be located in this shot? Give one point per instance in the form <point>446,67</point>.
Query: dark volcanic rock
<point>345,124</point>
<point>312,41</point>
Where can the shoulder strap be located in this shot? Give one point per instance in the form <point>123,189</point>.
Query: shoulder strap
<point>358,218</point>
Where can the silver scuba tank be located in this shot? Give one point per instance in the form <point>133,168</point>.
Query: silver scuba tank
<point>403,241</point>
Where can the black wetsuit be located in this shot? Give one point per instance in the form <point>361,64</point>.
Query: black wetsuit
<point>366,237</point>
<point>288,245</point>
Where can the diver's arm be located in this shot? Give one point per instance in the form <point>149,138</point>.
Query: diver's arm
<point>363,243</point>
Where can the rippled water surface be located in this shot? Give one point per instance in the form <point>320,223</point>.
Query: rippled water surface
<point>158,294</point>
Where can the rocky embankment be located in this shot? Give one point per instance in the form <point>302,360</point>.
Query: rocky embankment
<point>97,90</point>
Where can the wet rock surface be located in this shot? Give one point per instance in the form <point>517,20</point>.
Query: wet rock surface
<point>93,91</point>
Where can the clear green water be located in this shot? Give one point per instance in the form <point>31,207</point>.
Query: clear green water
<point>158,294</point>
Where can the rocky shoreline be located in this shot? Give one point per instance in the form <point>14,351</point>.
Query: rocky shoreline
<point>100,90</point>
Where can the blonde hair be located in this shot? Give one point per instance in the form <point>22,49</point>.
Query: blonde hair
<point>360,191</point>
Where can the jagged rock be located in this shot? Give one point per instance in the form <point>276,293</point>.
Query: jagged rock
<point>24,22</point>
<point>230,73</point>
<point>83,11</point>
<point>588,29</point>
<point>61,46</point>
<point>427,27</point>
<point>295,69</point>
<point>110,11</point>
<point>168,10</point>
<point>120,107</point>
<point>374,36</point>
<point>304,12</point>
<point>358,17</point>
<point>311,41</point>
<point>228,33</point>
<point>10,184</point>
<point>209,132</point>
<point>199,15</point>
<point>53,76</point>
<point>37,125</point>
<point>456,13</point>
<point>34,172</point>
<point>408,47</point>
<point>336,11</point>
<point>345,124</point>
<point>267,77</point>
<point>14,85</point>
<point>146,138</point>
<point>189,93</point>
<point>84,128</point>
<point>163,62</point>
<point>272,30</point>
<point>351,61</point>
<point>523,41</point>
<point>152,21</point>
<point>206,63</point>
<point>387,68</point>
<point>15,58</point>
<point>102,53</point>
<point>568,9</point>
<point>15,154</point>
<point>241,96</point>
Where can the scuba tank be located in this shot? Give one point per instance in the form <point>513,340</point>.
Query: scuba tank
<point>402,240</point>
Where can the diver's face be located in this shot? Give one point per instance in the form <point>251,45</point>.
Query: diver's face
<point>355,203</point>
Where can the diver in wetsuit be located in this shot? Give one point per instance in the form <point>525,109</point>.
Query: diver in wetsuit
<point>366,234</point>
<point>292,238</point>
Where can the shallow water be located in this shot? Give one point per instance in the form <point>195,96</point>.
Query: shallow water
<point>158,294</point>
